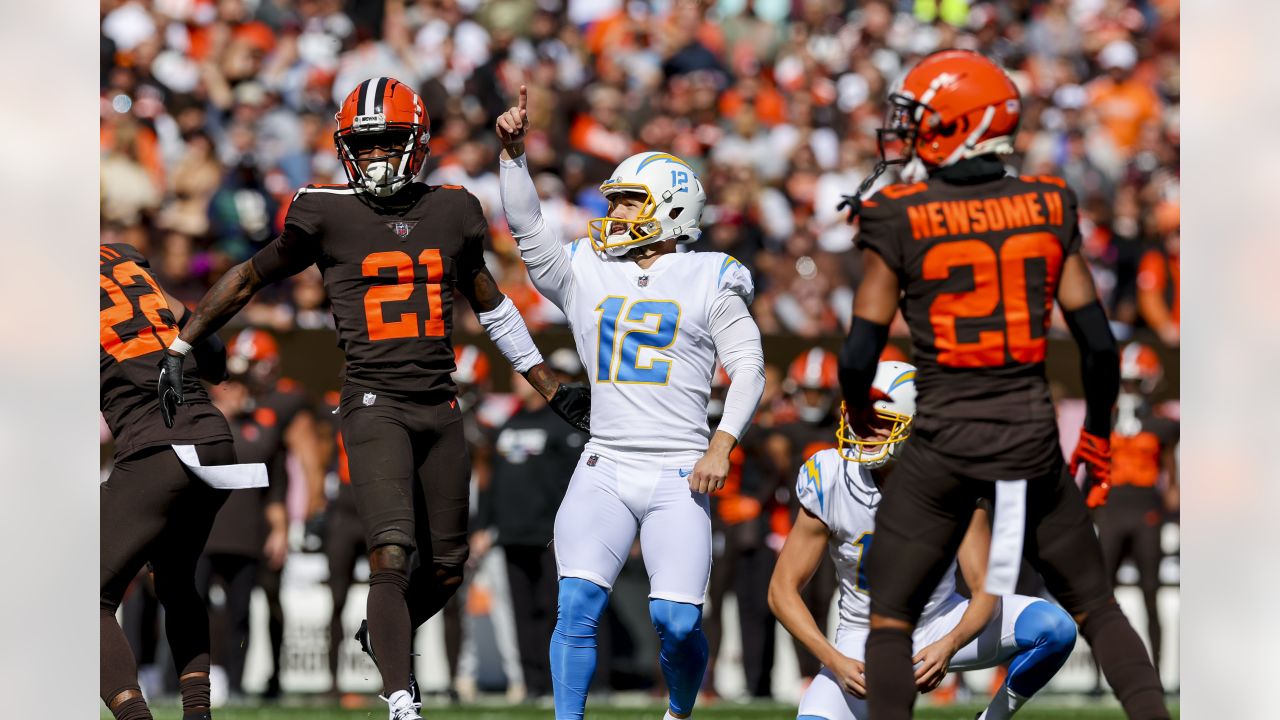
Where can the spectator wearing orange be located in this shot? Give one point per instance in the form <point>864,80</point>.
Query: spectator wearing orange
<point>1122,102</point>
<point>1158,277</point>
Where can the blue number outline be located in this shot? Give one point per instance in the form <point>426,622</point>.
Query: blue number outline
<point>863,542</point>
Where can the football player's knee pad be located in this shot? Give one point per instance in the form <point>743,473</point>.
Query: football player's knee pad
<point>447,578</point>
<point>389,564</point>
<point>579,607</point>
<point>449,562</point>
<point>1045,635</point>
<point>1045,625</point>
<point>675,621</point>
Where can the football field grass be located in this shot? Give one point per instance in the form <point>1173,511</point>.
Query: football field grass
<point>1049,709</point>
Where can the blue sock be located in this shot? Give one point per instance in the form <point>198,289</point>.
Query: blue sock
<point>573,644</point>
<point>1046,634</point>
<point>684,650</point>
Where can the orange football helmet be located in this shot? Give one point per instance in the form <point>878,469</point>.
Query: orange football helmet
<point>813,379</point>
<point>382,109</point>
<point>1140,364</point>
<point>253,353</point>
<point>473,365</point>
<point>952,105</point>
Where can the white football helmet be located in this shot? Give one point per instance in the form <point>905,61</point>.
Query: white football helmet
<point>898,381</point>
<point>674,199</point>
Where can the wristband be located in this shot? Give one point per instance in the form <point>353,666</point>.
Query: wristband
<point>180,346</point>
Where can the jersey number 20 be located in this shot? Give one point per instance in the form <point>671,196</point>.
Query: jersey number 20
<point>995,279</point>
<point>618,358</point>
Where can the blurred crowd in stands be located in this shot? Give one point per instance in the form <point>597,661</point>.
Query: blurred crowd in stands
<point>214,112</point>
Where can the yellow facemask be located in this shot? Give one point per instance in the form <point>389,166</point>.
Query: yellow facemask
<point>855,449</point>
<point>643,228</point>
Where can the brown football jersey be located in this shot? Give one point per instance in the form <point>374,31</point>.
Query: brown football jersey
<point>135,325</point>
<point>979,266</point>
<point>390,271</point>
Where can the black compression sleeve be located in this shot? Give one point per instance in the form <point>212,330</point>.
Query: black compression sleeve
<point>1099,365</point>
<point>858,360</point>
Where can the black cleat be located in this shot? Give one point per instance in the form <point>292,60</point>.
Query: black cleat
<point>200,715</point>
<point>362,636</point>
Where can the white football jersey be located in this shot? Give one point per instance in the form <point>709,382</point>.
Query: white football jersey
<point>843,495</point>
<point>645,340</point>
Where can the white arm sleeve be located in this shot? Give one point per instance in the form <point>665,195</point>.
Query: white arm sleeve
<point>548,263</point>
<point>507,330</point>
<point>737,341</point>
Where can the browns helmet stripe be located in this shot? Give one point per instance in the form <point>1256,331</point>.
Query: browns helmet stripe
<point>360,101</point>
<point>380,95</point>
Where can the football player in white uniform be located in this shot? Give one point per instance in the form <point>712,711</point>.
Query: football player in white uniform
<point>839,491</point>
<point>649,324</point>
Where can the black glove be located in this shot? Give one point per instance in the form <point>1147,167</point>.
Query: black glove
<point>211,359</point>
<point>169,385</point>
<point>573,403</point>
<point>853,203</point>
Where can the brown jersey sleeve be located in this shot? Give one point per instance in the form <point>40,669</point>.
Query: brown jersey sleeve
<point>476,230</point>
<point>298,245</point>
<point>878,229</point>
<point>129,252</point>
<point>289,254</point>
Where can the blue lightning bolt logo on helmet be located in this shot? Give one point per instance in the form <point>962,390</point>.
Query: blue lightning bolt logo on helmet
<point>672,208</point>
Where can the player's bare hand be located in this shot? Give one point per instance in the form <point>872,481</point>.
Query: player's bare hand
<point>932,663</point>
<point>710,472</point>
<point>851,674</point>
<point>276,549</point>
<point>481,542</point>
<point>514,123</point>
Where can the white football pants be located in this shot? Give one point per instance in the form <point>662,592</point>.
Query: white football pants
<point>610,498</point>
<point>994,645</point>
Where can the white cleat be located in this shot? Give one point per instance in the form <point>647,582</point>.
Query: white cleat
<point>403,706</point>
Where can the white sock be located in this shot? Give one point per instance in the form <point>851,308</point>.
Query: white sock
<point>1003,705</point>
<point>669,716</point>
<point>400,698</point>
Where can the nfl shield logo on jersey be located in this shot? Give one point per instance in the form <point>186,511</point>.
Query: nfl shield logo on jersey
<point>643,281</point>
<point>401,228</point>
<point>369,398</point>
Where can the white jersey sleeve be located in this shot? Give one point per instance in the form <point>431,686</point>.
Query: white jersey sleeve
<point>737,343</point>
<point>547,259</point>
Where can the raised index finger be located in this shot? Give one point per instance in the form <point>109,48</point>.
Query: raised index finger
<point>524,97</point>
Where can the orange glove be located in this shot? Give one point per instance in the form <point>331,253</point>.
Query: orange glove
<point>1095,453</point>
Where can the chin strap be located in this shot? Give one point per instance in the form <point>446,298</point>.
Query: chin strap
<point>854,202</point>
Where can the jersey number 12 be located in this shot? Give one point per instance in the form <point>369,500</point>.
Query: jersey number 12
<point>618,357</point>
